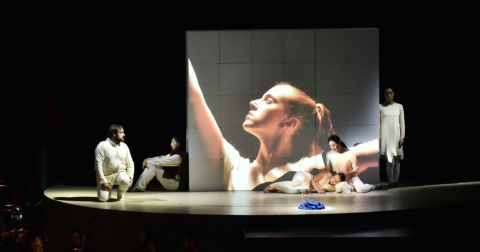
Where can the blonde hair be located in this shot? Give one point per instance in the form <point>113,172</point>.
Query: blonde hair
<point>303,107</point>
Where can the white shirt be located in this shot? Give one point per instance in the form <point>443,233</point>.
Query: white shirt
<point>111,158</point>
<point>339,161</point>
<point>238,171</point>
<point>392,129</point>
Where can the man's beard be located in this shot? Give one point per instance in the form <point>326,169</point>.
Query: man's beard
<point>118,139</point>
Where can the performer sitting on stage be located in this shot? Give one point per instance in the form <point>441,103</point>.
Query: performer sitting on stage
<point>342,160</point>
<point>165,168</point>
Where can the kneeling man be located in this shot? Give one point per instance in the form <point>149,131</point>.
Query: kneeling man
<point>113,164</point>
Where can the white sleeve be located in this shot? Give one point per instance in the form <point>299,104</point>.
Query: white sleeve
<point>166,160</point>
<point>130,164</point>
<point>231,155</point>
<point>380,118</point>
<point>402,122</point>
<point>99,157</point>
<point>236,169</point>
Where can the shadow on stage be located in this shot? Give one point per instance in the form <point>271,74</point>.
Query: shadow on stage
<point>81,199</point>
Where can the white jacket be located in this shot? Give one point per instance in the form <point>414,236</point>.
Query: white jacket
<point>111,158</point>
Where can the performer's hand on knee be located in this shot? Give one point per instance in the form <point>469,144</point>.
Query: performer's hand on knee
<point>106,186</point>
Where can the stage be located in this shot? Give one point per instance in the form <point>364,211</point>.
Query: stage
<point>248,217</point>
<point>247,203</point>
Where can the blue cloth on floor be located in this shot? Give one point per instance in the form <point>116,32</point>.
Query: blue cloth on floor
<point>311,205</point>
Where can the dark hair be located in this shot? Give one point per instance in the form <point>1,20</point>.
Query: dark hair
<point>341,175</point>
<point>113,129</point>
<point>385,89</point>
<point>388,87</point>
<point>177,139</point>
<point>337,140</point>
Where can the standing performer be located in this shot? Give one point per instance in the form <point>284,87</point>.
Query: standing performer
<point>392,135</point>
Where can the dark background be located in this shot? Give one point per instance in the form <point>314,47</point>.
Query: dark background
<point>67,79</point>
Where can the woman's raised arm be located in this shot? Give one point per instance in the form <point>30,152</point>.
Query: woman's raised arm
<point>367,155</point>
<point>210,133</point>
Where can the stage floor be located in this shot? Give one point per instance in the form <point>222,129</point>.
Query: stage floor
<point>257,221</point>
<point>257,203</point>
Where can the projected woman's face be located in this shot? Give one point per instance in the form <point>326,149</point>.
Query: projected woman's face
<point>267,113</point>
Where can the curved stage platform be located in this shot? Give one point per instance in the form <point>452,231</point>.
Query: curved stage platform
<point>259,203</point>
<point>248,218</point>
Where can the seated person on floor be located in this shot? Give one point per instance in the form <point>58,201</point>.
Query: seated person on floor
<point>342,160</point>
<point>165,168</point>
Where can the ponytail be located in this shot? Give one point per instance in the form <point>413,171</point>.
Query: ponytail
<point>325,126</point>
<point>309,113</point>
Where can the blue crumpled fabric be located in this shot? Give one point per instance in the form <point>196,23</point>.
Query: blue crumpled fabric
<point>311,205</point>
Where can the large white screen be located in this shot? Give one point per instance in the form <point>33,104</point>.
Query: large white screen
<point>335,67</point>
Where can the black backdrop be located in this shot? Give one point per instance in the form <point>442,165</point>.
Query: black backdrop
<point>68,80</point>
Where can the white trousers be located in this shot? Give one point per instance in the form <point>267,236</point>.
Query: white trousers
<point>149,173</point>
<point>360,186</point>
<point>122,180</point>
<point>393,170</point>
<point>354,183</point>
<point>343,187</point>
<point>298,184</point>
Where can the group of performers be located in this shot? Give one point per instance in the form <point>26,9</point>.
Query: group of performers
<point>280,120</point>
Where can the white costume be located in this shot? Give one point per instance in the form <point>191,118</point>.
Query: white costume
<point>154,169</point>
<point>392,129</point>
<point>114,164</point>
<point>339,163</point>
<point>301,182</point>
<point>238,170</point>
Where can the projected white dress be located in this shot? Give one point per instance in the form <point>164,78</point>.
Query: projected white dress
<point>392,128</point>
<point>238,169</point>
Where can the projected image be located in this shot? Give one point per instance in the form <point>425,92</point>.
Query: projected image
<point>243,135</point>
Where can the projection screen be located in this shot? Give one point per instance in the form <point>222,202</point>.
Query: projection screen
<point>243,128</point>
